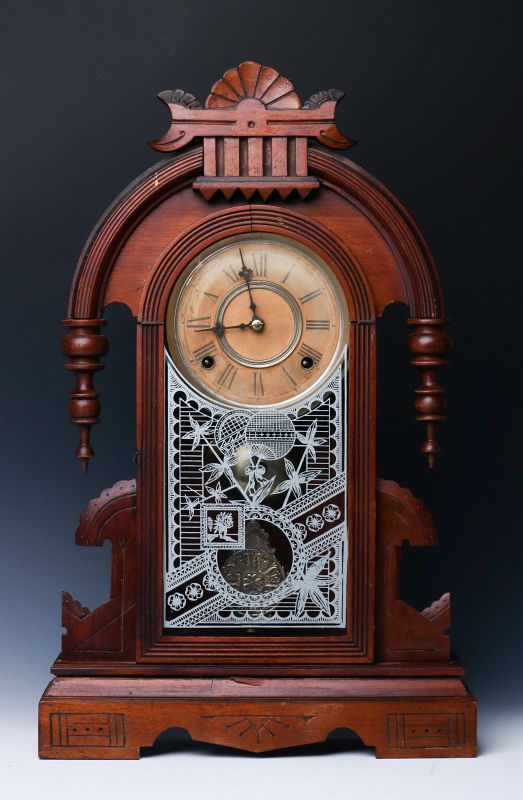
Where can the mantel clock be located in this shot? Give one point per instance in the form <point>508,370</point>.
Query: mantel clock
<point>255,576</point>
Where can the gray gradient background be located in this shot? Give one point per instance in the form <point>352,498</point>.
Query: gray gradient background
<point>432,97</point>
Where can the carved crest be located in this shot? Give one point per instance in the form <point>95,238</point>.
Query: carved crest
<point>251,80</point>
<point>255,129</point>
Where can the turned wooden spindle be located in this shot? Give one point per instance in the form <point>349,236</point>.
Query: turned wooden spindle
<point>84,345</point>
<point>429,344</point>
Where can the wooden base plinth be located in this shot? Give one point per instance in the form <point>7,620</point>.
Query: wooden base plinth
<point>114,717</point>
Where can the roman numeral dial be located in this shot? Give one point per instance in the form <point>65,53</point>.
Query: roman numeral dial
<point>227,376</point>
<point>256,321</point>
<point>259,261</point>
<point>317,324</point>
<point>310,296</point>
<point>257,378</point>
<point>306,351</point>
<point>198,322</point>
<point>207,349</point>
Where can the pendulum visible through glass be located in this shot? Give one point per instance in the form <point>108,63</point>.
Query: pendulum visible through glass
<point>256,569</point>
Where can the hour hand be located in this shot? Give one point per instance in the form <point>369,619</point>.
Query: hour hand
<point>219,328</point>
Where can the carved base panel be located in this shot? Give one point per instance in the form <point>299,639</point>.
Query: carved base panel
<point>113,717</point>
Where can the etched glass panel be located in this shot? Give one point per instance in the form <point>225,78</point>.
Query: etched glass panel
<point>256,527</point>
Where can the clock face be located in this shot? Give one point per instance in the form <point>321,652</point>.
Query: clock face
<point>256,321</point>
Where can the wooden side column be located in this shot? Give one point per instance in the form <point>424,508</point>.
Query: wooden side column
<point>429,344</point>
<point>84,345</point>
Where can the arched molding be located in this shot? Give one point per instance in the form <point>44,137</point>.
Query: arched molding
<point>255,219</point>
<point>118,221</point>
<point>415,265</point>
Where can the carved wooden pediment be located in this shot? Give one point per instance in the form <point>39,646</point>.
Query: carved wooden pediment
<point>255,130</point>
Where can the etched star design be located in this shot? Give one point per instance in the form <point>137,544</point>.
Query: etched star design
<point>310,441</point>
<point>309,587</point>
<point>295,479</point>
<point>217,493</point>
<point>223,466</point>
<point>197,433</point>
<point>190,505</point>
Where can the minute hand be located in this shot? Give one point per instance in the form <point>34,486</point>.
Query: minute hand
<point>246,274</point>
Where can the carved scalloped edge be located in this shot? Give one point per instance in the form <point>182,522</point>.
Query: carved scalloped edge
<point>120,489</point>
<point>180,97</point>
<point>324,96</point>
<point>438,607</point>
<point>250,79</point>
<point>394,489</point>
<point>74,606</point>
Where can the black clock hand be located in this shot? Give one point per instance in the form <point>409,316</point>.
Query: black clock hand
<point>246,274</point>
<point>219,328</point>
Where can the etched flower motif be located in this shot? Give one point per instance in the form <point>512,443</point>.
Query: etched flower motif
<point>254,473</point>
<point>194,591</point>
<point>302,530</point>
<point>217,493</point>
<point>331,512</point>
<point>220,526</point>
<point>315,522</point>
<point>176,601</point>
<point>208,582</point>
<point>224,520</point>
<point>261,493</point>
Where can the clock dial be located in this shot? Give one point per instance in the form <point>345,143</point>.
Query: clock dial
<point>256,321</point>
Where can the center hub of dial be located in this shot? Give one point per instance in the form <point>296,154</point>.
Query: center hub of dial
<point>274,331</point>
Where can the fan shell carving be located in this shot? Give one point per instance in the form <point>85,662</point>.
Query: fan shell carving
<point>253,81</point>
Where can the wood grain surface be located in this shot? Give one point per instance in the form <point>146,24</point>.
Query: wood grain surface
<point>251,167</point>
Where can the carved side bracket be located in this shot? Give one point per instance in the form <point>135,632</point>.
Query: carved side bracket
<point>254,129</point>
<point>429,344</point>
<point>85,345</point>
<point>404,634</point>
<point>109,630</point>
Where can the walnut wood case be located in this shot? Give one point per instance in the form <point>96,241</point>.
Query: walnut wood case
<point>247,164</point>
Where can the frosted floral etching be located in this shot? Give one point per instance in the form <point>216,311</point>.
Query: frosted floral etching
<point>222,526</point>
<point>256,530</point>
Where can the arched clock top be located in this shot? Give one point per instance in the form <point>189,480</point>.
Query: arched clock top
<point>131,250</point>
<point>400,269</point>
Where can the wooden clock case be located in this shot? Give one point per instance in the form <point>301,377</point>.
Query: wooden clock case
<point>121,679</point>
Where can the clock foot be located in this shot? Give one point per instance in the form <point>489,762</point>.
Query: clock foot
<point>112,718</point>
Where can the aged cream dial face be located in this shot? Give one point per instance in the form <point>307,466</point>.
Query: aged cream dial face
<point>256,321</point>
